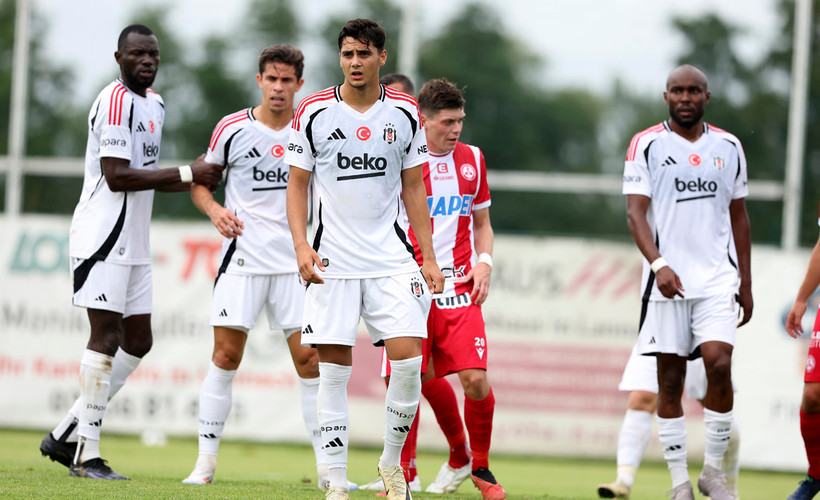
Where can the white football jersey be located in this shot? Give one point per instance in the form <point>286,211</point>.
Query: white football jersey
<point>256,180</point>
<point>456,184</point>
<point>691,185</point>
<point>356,161</point>
<point>115,226</point>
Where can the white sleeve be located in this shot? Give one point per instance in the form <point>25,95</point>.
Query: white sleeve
<point>742,178</point>
<point>299,153</point>
<point>115,135</point>
<point>636,175</point>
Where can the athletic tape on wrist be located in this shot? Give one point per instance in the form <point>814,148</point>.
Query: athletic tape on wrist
<point>486,258</point>
<point>185,173</point>
<point>657,264</point>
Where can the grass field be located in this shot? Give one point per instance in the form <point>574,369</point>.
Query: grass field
<point>287,472</point>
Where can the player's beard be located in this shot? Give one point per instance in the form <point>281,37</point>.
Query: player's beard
<point>689,123</point>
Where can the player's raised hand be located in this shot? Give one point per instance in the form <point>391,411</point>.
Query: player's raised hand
<point>794,319</point>
<point>309,261</point>
<point>480,275</point>
<point>669,282</point>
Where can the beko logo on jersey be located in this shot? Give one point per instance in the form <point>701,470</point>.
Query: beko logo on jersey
<point>278,175</point>
<point>450,205</point>
<point>150,150</point>
<point>113,142</point>
<point>295,147</point>
<point>695,186</point>
<point>365,162</point>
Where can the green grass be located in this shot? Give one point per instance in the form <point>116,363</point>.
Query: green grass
<point>287,472</point>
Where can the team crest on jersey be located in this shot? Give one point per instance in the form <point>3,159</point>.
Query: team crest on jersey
<point>325,262</point>
<point>241,262</point>
<point>441,168</point>
<point>416,287</point>
<point>389,134</point>
<point>810,364</point>
<point>151,125</point>
<point>719,163</point>
<point>277,151</point>
<point>694,160</point>
<point>468,171</point>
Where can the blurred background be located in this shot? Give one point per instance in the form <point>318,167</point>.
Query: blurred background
<point>554,90</point>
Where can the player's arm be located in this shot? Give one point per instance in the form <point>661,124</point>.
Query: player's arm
<point>811,281</point>
<point>743,243</point>
<point>637,206</point>
<point>480,274</point>
<point>120,177</point>
<point>414,195</point>
<point>297,210</point>
<point>224,220</point>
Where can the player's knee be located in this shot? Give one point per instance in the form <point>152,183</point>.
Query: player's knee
<point>138,347</point>
<point>719,371</point>
<point>307,364</point>
<point>811,398</point>
<point>475,384</point>
<point>226,359</point>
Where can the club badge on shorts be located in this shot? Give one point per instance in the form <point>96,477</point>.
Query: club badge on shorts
<point>416,287</point>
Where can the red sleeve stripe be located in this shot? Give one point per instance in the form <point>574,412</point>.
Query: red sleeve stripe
<point>401,96</point>
<point>225,123</point>
<point>151,91</point>
<point>307,101</point>
<point>115,105</point>
<point>716,129</point>
<point>633,145</point>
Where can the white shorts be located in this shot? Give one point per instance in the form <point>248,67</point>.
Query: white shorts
<point>641,374</point>
<point>120,288</point>
<point>681,326</point>
<point>239,298</point>
<point>392,306</point>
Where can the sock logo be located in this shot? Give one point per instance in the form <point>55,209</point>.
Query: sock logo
<point>98,423</point>
<point>674,447</point>
<point>404,428</point>
<point>333,444</point>
<point>208,436</point>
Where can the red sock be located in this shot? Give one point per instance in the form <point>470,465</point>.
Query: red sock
<point>478,416</point>
<point>810,428</point>
<point>439,393</point>
<point>408,452</point>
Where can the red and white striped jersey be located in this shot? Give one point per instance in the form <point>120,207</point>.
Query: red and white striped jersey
<point>691,185</point>
<point>115,226</point>
<point>456,184</point>
<point>256,179</point>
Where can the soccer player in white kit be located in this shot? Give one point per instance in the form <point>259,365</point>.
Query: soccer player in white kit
<point>686,182</point>
<point>109,244</point>
<point>258,266</point>
<point>361,150</point>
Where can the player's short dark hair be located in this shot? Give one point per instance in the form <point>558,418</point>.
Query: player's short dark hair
<point>366,31</point>
<point>133,28</point>
<point>285,54</point>
<point>406,82</point>
<point>439,94</point>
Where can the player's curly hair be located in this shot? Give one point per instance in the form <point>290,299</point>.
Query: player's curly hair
<point>285,54</point>
<point>366,31</point>
<point>439,94</point>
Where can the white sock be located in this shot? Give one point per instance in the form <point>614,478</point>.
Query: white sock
<point>334,419</point>
<point>672,434</point>
<point>309,395</point>
<point>731,460</point>
<point>215,400</point>
<point>87,448</point>
<point>632,442</point>
<point>401,404</point>
<point>95,384</point>
<point>718,427</point>
<point>124,364</point>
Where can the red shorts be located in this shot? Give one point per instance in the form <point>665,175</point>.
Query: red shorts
<point>456,338</point>
<point>812,372</point>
